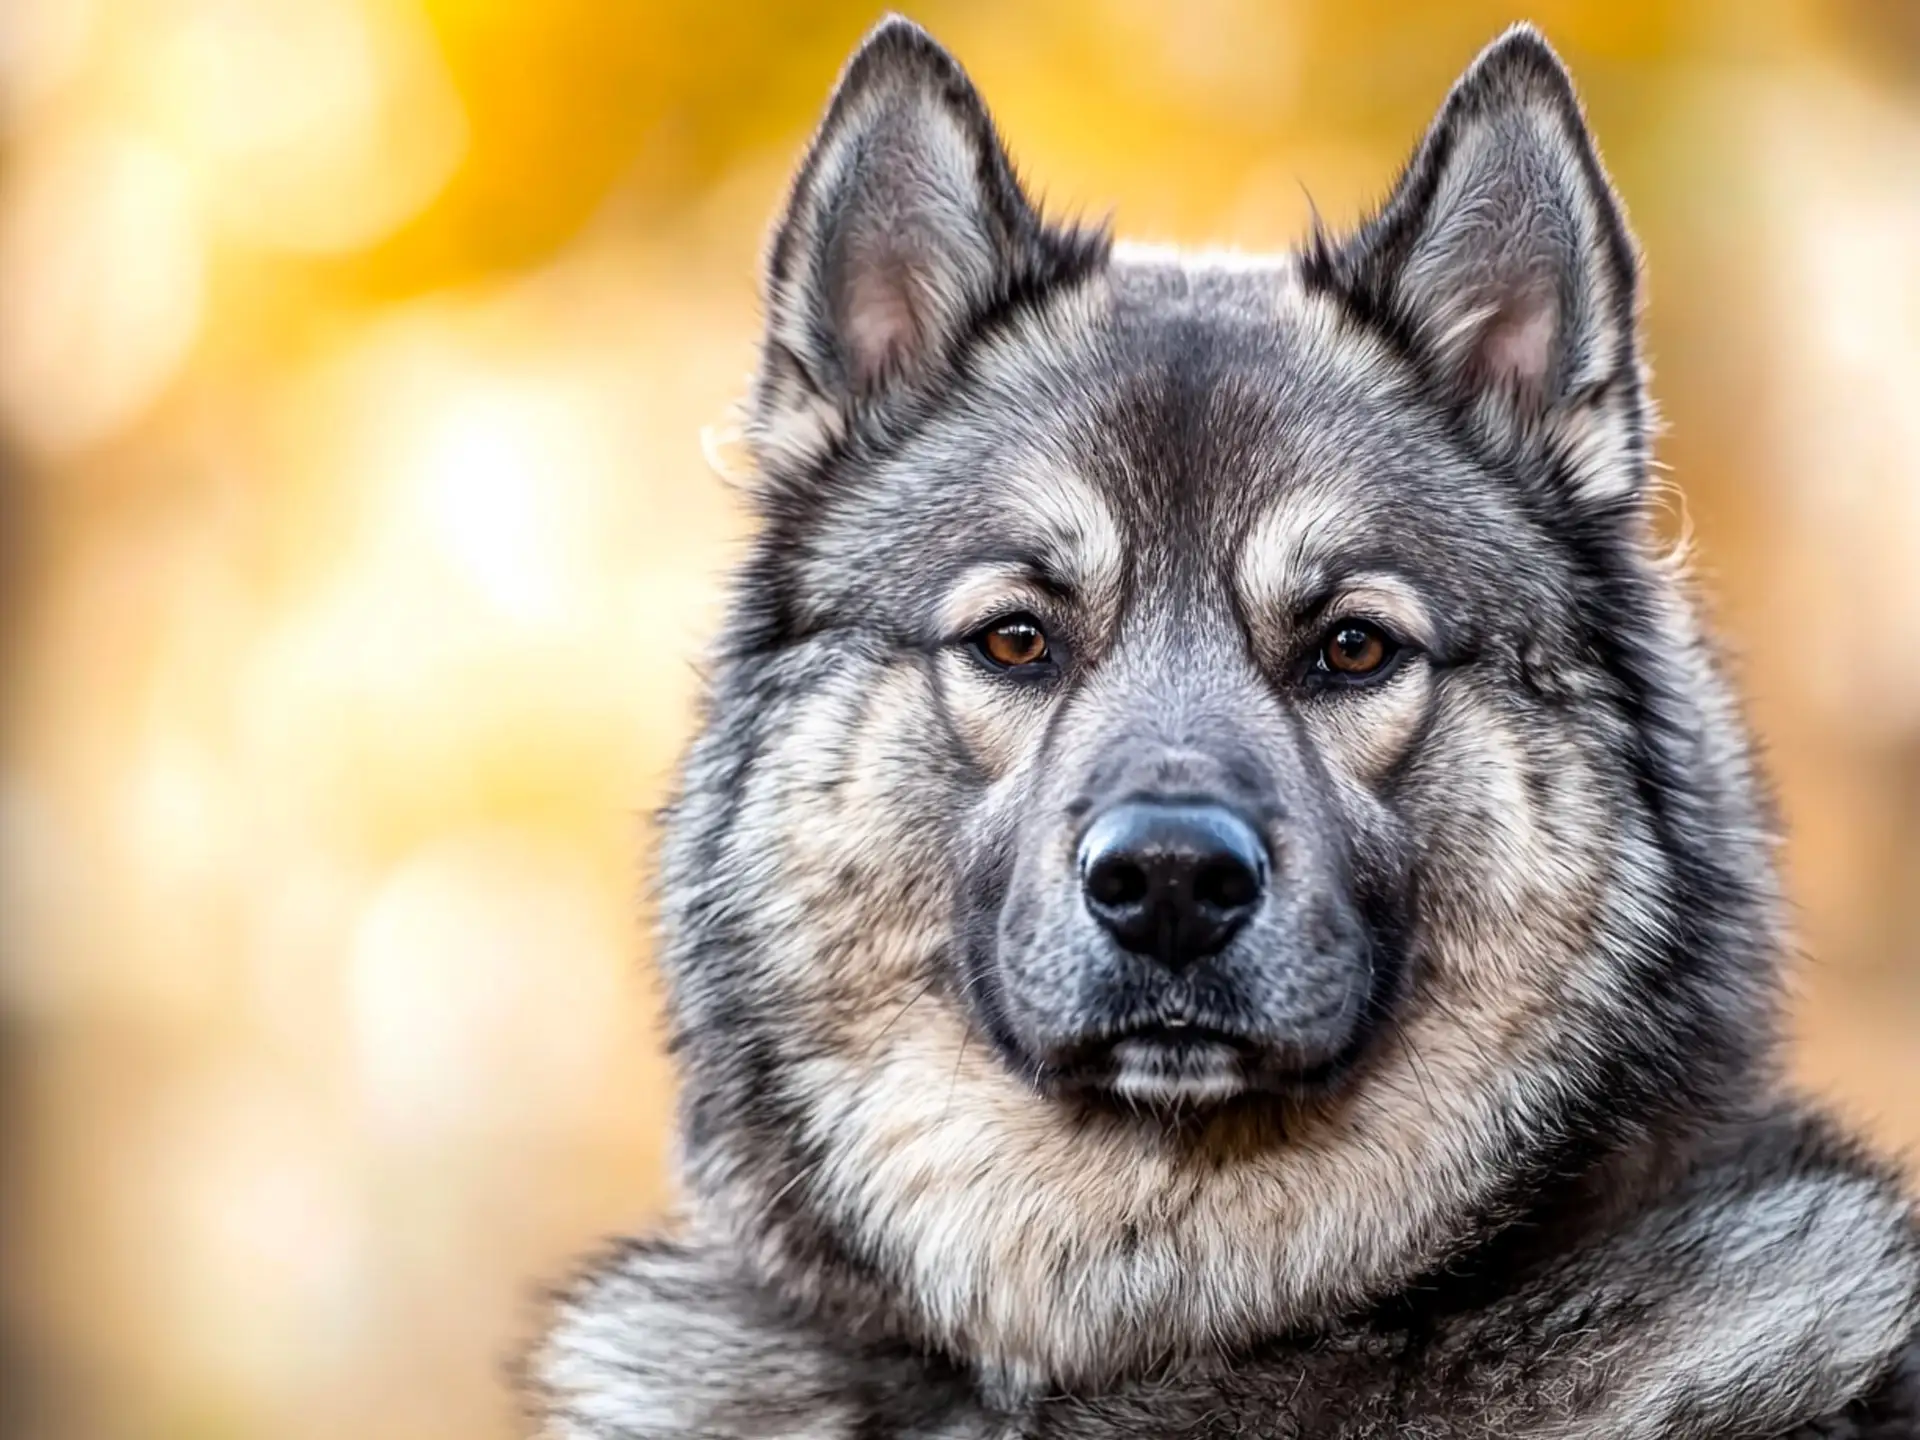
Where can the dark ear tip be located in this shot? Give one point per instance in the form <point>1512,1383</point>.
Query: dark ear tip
<point>1518,65</point>
<point>899,44</point>
<point>894,24</point>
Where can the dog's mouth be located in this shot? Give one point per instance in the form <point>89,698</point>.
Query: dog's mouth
<point>1285,1023</point>
<point>1175,1065</point>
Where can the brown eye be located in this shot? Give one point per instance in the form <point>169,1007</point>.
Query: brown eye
<point>1014,642</point>
<point>1355,649</point>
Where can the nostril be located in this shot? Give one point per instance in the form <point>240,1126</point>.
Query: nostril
<point>1226,885</point>
<point>1118,881</point>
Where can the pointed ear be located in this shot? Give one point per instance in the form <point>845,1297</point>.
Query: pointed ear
<point>906,228</point>
<point>1503,266</point>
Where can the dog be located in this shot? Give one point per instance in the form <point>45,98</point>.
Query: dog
<point>1220,889</point>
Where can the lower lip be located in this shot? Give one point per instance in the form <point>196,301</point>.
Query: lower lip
<point>1175,1068</point>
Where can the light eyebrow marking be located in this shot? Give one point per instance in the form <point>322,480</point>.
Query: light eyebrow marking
<point>1058,540</point>
<point>1295,558</point>
<point>1287,556</point>
<point>1386,597</point>
<point>983,591</point>
<point>1071,529</point>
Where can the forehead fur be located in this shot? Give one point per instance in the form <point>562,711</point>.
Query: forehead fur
<point>1179,414</point>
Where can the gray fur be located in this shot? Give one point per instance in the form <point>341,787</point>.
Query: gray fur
<point>1478,1130</point>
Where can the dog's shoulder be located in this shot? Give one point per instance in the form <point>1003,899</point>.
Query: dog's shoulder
<point>1775,1280</point>
<point>1770,1287</point>
<point>666,1336</point>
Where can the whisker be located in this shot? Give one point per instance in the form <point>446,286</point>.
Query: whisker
<point>894,1019</point>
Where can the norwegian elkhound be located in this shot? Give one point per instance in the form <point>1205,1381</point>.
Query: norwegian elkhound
<point>1220,890</point>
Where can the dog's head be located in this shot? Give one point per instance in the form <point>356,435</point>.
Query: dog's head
<point>1208,794</point>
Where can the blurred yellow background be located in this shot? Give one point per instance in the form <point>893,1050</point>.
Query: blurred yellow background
<point>354,362</point>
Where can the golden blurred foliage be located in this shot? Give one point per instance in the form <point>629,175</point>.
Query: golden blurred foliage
<point>355,357</point>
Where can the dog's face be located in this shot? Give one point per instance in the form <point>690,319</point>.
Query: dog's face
<point>1213,649</point>
<point>1221,648</point>
<point>1204,786</point>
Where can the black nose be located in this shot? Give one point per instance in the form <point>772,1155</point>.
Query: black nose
<point>1172,881</point>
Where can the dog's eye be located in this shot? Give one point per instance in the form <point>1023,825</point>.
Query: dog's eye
<point>1355,650</point>
<point>1012,643</point>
